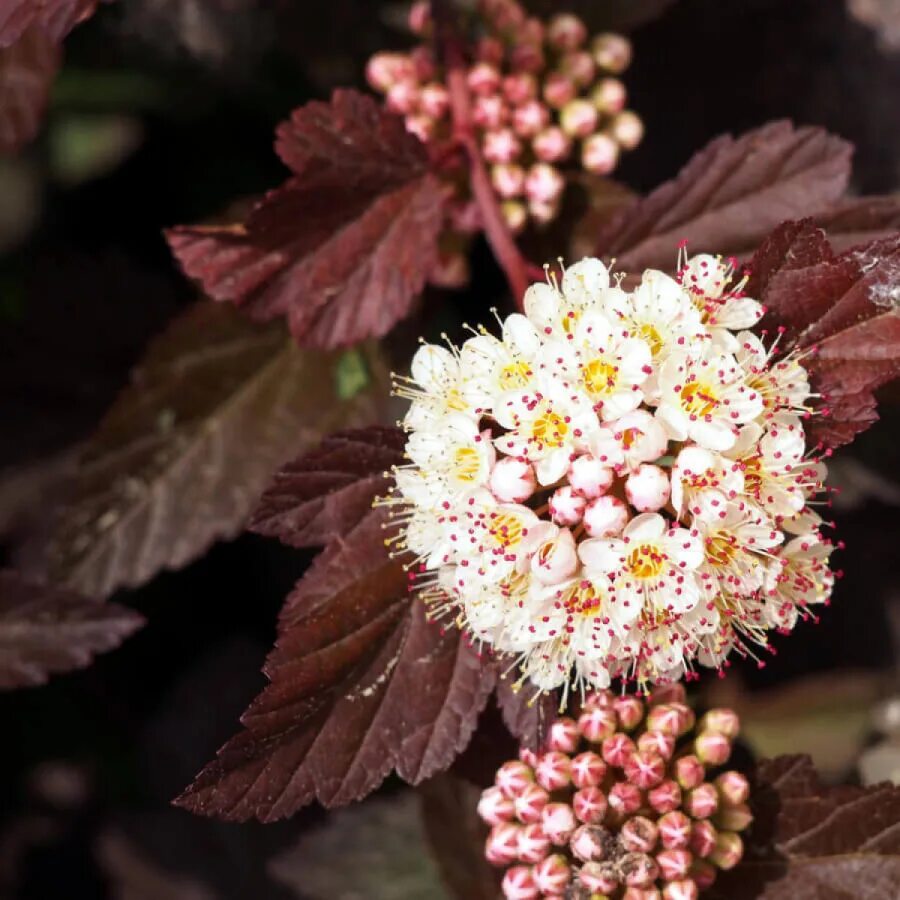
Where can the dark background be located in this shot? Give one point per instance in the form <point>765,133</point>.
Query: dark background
<point>164,114</point>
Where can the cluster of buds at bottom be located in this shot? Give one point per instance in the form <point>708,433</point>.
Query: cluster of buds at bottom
<point>629,800</point>
<point>544,96</point>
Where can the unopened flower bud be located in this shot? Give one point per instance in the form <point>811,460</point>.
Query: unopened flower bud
<point>553,770</point>
<point>665,797</point>
<point>641,893</point>
<point>558,90</point>
<point>419,19</point>
<point>618,749</point>
<point>599,700</point>
<point>513,777</point>
<point>533,31</point>
<point>627,129</point>
<point>403,97</point>
<point>658,742</point>
<point>578,118</point>
<point>624,799</point>
<point>734,818</point>
<point>543,212</point>
<point>494,807</point>
<point>508,180</point>
<point>566,32</point>
<point>530,803</point>
<point>434,100</point>
<point>490,113</point>
<point>588,769</point>
<point>712,748</point>
<point>552,874</point>
<point>665,717</point>
<point>423,127</point>
<point>579,66</point>
<point>645,768</point>
<point>382,71</point>
<point>519,88</point>
<point>599,877</point>
<point>733,788</point>
<point>686,717</point>
<point>689,772</point>
<point>551,145</point>
<point>703,838</point>
<point>558,821</point>
<point>489,50</point>
<point>605,517</point>
<point>502,844</point>
<point>674,864</point>
<point>590,805</point>
<point>512,480</point>
<point>668,693</point>
<point>648,488</point>
<point>515,214</point>
<point>599,154</point>
<point>612,52</point>
<point>598,724</point>
<point>518,884</point>
<point>683,889</point>
<point>544,183</point>
<point>590,477</point>
<point>530,118</point>
<point>534,845</point>
<point>674,830</point>
<point>424,66</point>
<point>703,874</point>
<point>501,146</point>
<point>638,869</point>
<point>566,507</point>
<point>483,79</point>
<point>609,96</point>
<point>729,850</point>
<point>639,835</point>
<point>590,843</point>
<point>630,711</point>
<point>526,58</point>
<point>702,801</point>
<point>725,721</point>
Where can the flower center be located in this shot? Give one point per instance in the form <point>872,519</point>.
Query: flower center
<point>753,475</point>
<point>599,377</point>
<point>455,400</point>
<point>467,464</point>
<point>721,548</point>
<point>583,600</point>
<point>515,375</point>
<point>629,436</point>
<point>505,530</point>
<point>645,561</point>
<point>648,333</point>
<point>550,429</point>
<point>698,399</point>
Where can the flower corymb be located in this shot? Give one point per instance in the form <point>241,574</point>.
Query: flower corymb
<point>618,485</point>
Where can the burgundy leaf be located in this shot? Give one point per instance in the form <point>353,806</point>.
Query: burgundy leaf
<point>361,684</point>
<point>343,248</point>
<point>731,195</point>
<point>527,716</point>
<point>55,18</point>
<point>27,70</point>
<point>325,493</point>
<point>858,220</point>
<point>44,630</point>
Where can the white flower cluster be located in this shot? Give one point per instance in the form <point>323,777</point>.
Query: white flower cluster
<point>618,485</point>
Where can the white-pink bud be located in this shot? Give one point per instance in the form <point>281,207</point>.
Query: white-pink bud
<point>526,58</point>
<point>683,889</point>
<point>624,799</point>
<point>566,32</point>
<point>605,517</point>
<point>543,211</point>
<point>598,723</point>
<point>599,154</point>
<point>502,844</point>
<point>558,821</point>
<point>529,804</point>
<point>508,180</point>
<point>674,830</point>
<point>553,770</point>
<point>544,183</point>
<point>639,835</point>
<point>589,843</point>
<point>490,113</point>
<point>589,804</point>
<point>518,884</point>
<point>578,118</point>
<point>703,801</point>
<point>501,146</point>
<point>648,488</point>
<point>556,559</point>
<point>612,52</point>
<point>563,735</point>
<point>534,845</point>
<point>599,878</point>
<point>551,145</point>
<point>419,17</point>
<point>513,777</point>
<point>589,476</point>
<point>515,214</point>
<point>434,100</point>
<point>645,768</point>
<point>494,808</point>
<point>588,769</point>
<point>638,869</point>
<point>490,50</point>
<point>618,749</point>
<point>403,97</point>
<point>483,79</point>
<point>558,90</point>
<point>609,96</point>
<point>658,742</point>
<point>520,88</point>
<point>665,797</point>
<point>552,874</point>
<point>385,69</point>
<point>530,118</point>
<point>627,129</point>
<point>674,864</point>
<point>579,66</point>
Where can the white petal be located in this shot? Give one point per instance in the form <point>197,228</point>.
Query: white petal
<point>645,527</point>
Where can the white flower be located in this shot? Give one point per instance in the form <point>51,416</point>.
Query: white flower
<point>723,307</point>
<point>798,579</point>
<point>512,480</point>
<point>626,443</point>
<point>783,383</point>
<point>697,470</point>
<point>647,488</point>
<point>434,386</point>
<point>567,505</point>
<point>556,558</point>
<point>556,314</point>
<point>605,517</point>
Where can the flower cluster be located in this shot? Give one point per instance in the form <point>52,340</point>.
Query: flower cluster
<point>542,96</point>
<point>620,804</point>
<point>618,485</point>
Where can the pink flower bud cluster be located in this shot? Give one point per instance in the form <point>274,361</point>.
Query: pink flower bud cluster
<point>543,96</point>
<point>622,803</point>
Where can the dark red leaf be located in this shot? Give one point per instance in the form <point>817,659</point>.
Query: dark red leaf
<point>56,18</point>
<point>361,684</point>
<point>44,630</point>
<point>343,248</point>
<point>731,195</point>
<point>858,220</point>
<point>325,493</point>
<point>527,716</point>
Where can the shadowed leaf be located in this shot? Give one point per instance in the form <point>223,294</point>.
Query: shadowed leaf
<point>56,18</point>
<point>527,716</point>
<point>858,220</point>
<point>45,630</point>
<point>342,249</point>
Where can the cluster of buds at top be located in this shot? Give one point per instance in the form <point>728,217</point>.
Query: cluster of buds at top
<point>629,800</point>
<point>544,95</point>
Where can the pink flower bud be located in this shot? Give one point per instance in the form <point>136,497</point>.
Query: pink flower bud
<point>665,717</point>
<point>734,818</point>
<point>588,769</point>
<point>544,183</point>
<point>555,560</point>
<point>702,801</point>
<point>646,769</point>
<point>558,90</point>
<point>543,212</point>
<point>630,711</point>
<point>703,838</point>
<point>674,830</point>
<point>611,52</point>
<point>686,717</point>
<point>551,145</point>
<point>385,69</point>
<point>598,700</point>
<point>627,129</point>
<point>526,58</point>
<point>420,17</point>
<point>591,843</point>
<point>508,180</point>
<point>624,799</point>
<point>725,721</point>
<point>703,874</point>
<point>552,874</point>
<point>558,821</point>
<point>618,749</point>
<point>712,748</point>
<point>553,770</point>
<point>599,154</point>
<point>589,476</point>
<point>597,724</point>
<point>733,788</point>
<point>689,772</point>
<point>534,845</point>
<point>668,693</point>
<point>515,214</point>
<point>659,743</point>
<point>665,797</point>
<point>599,877</point>
<point>423,127</point>
<point>403,97</point>
<point>646,893</point>
<point>520,88</point>
<point>579,66</point>
<point>494,808</point>
<point>518,884</point>
<point>483,79</point>
<point>530,118</point>
<point>564,736</point>
<point>639,835</point>
<point>434,100</point>
<point>566,32</point>
<point>502,845</point>
<point>648,488</point>
<point>566,507</point>
<point>501,146</point>
<point>729,850</point>
<point>513,777</point>
<point>590,805</point>
<point>638,869</point>
<point>530,803</point>
<point>490,113</point>
<point>532,31</point>
<point>609,96</point>
<point>683,889</point>
<point>674,864</point>
<point>423,63</point>
<point>489,50</point>
<point>578,118</point>
<point>605,517</point>
<point>529,757</point>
